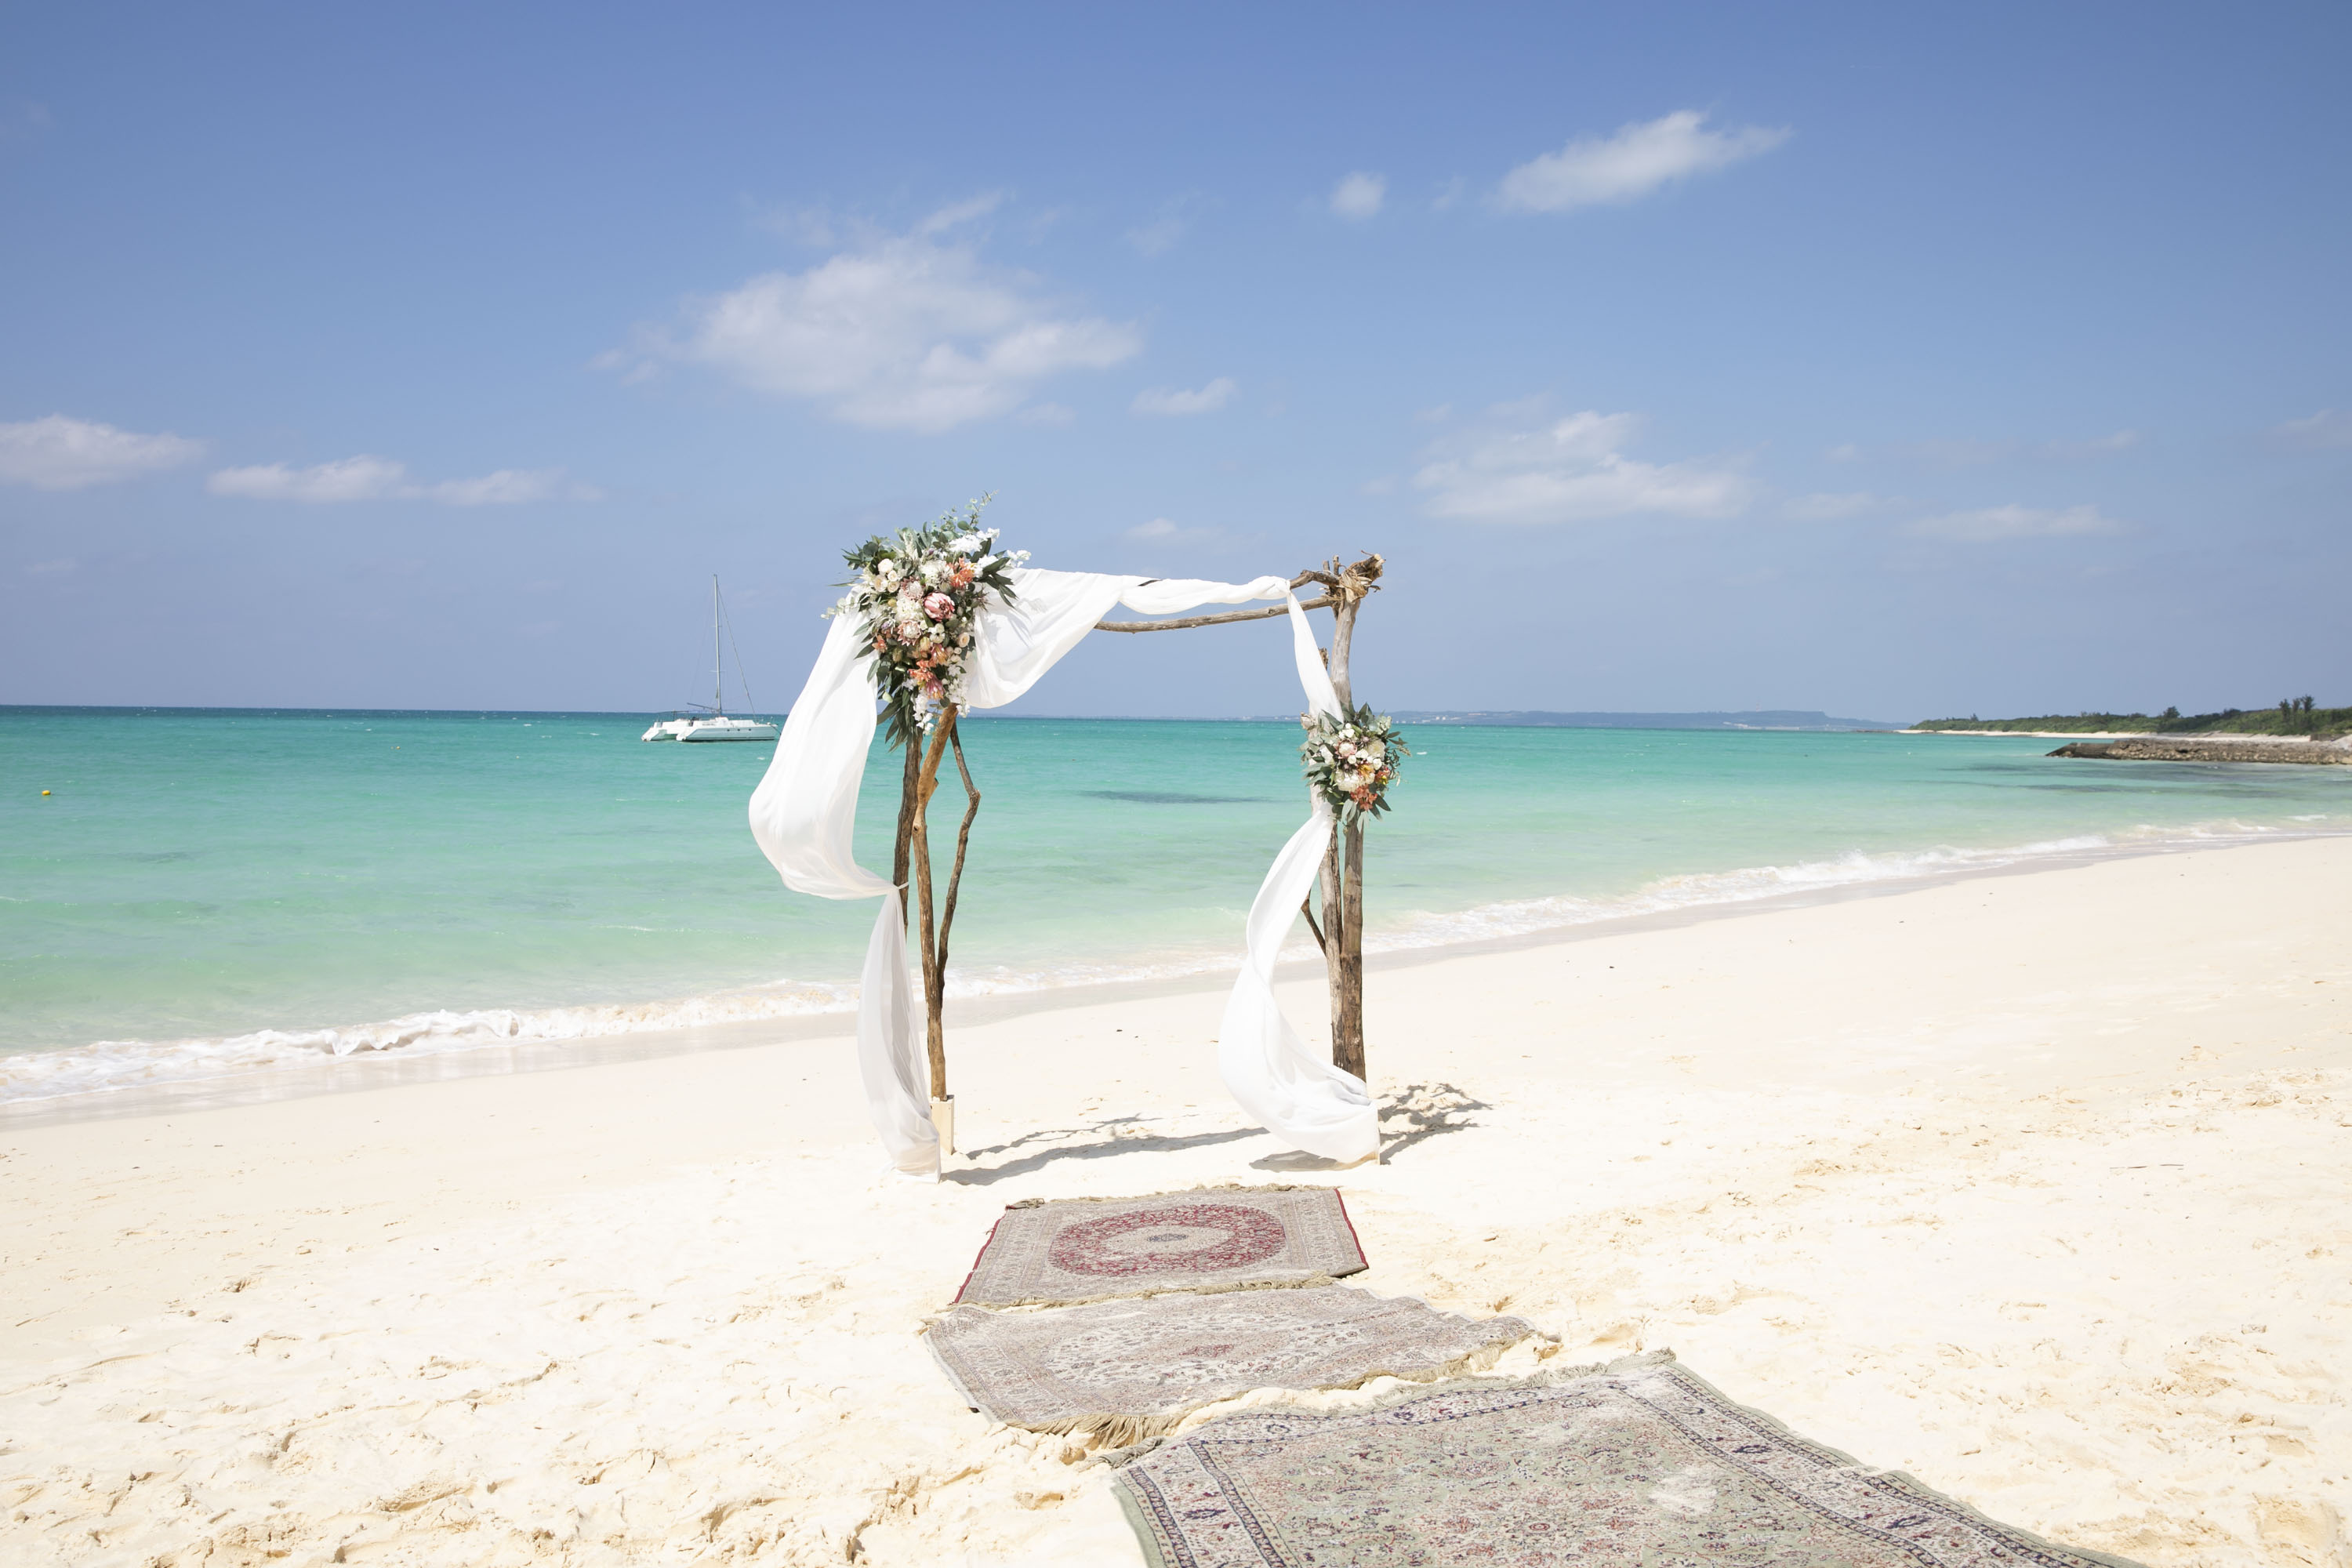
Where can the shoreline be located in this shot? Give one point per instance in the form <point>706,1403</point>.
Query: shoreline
<point>2225,736</point>
<point>2027,1185</point>
<point>366,1071</point>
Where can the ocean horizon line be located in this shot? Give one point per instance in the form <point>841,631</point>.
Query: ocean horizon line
<point>1729,719</point>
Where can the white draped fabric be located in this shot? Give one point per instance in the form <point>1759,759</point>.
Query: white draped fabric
<point>1299,1096</point>
<point>807,805</point>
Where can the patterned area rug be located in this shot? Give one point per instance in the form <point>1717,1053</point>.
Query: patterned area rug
<point>1127,1369</point>
<point>1641,1467</point>
<point>1092,1249</point>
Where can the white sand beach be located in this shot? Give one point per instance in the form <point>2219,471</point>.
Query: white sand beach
<point>2031,1185</point>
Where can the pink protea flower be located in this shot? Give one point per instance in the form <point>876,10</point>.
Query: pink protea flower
<point>939,607</point>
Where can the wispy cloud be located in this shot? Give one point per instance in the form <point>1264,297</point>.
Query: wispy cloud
<point>1358,196</point>
<point>1643,157</point>
<point>367,477</point>
<point>1825,506</point>
<point>1162,532</point>
<point>1170,224</point>
<point>511,486</point>
<point>909,331</point>
<point>1176,402</point>
<point>59,453</point>
<point>23,121</point>
<point>1997,522</point>
<point>2327,429</point>
<point>1522,466</point>
<point>1963,452</point>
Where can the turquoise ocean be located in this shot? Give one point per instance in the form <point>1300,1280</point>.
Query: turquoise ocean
<point>214,892</point>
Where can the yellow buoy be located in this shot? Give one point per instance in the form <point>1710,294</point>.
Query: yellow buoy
<point>45,792</point>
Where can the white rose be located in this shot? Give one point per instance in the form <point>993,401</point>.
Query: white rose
<point>964,546</point>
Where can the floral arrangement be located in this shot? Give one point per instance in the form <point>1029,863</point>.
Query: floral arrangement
<point>1350,759</point>
<point>916,594</point>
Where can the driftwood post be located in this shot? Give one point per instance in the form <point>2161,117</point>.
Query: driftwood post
<point>1340,932</point>
<point>920,779</point>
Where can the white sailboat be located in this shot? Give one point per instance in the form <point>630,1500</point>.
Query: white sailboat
<point>717,725</point>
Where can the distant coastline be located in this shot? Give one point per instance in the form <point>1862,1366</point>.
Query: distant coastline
<point>2297,719</point>
<point>1753,719</point>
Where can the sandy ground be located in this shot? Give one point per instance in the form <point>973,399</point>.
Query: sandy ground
<point>2034,1186</point>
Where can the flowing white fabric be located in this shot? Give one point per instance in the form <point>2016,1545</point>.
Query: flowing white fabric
<point>805,808</point>
<point>1268,1069</point>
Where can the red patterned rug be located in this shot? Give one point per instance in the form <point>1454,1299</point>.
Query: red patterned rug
<point>1225,1238</point>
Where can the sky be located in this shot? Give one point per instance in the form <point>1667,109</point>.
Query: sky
<point>1897,362</point>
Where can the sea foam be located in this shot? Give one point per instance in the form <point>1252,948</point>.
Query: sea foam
<point>116,1065</point>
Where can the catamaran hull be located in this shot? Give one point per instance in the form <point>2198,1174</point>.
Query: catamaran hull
<point>729,731</point>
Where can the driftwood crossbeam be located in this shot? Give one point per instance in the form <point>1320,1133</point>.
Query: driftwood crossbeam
<point>1340,932</point>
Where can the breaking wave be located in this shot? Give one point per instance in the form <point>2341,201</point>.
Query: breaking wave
<point>115,1065</point>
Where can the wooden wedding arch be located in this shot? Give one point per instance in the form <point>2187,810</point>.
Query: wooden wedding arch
<point>1340,887</point>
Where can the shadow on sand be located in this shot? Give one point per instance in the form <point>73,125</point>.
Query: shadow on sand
<point>1109,1139</point>
<point>1417,1113</point>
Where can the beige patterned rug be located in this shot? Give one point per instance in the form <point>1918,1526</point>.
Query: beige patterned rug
<point>1219,1238</point>
<point>1643,1465</point>
<point>1129,1369</point>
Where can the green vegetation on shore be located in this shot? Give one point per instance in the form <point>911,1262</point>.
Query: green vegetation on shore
<point>2293,716</point>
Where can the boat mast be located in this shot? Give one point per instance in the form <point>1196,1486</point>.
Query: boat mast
<point>718,665</point>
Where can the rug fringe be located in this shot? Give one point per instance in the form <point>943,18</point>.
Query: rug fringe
<point>1443,1380</point>
<point>1176,1193</point>
<point>1113,1432</point>
<point>1305,1283</point>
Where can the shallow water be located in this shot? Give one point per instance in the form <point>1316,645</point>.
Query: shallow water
<point>207,890</point>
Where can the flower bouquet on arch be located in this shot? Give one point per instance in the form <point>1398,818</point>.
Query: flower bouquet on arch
<point>916,595</point>
<point>1350,759</point>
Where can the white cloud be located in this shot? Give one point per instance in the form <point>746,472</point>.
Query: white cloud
<point>1171,223</point>
<point>1996,522</point>
<point>363,477</point>
<point>1823,506</point>
<point>1358,196</point>
<point>57,453</point>
<point>1207,400</point>
<point>1046,414</point>
<point>2329,427</point>
<point>1158,236</point>
<point>511,486</point>
<point>907,333</point>
<point>1160,530</point>
<point>1568,470</point>
<point>1592,170</point>
<point>2096,446</point>
<point>366,478</point>
<point>50,568</point>
<point>1965,452</point>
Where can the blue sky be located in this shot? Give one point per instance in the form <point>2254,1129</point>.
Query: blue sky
<point>1896,362</point>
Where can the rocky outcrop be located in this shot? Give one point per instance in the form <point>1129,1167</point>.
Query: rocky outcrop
<point>2187,750</point>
